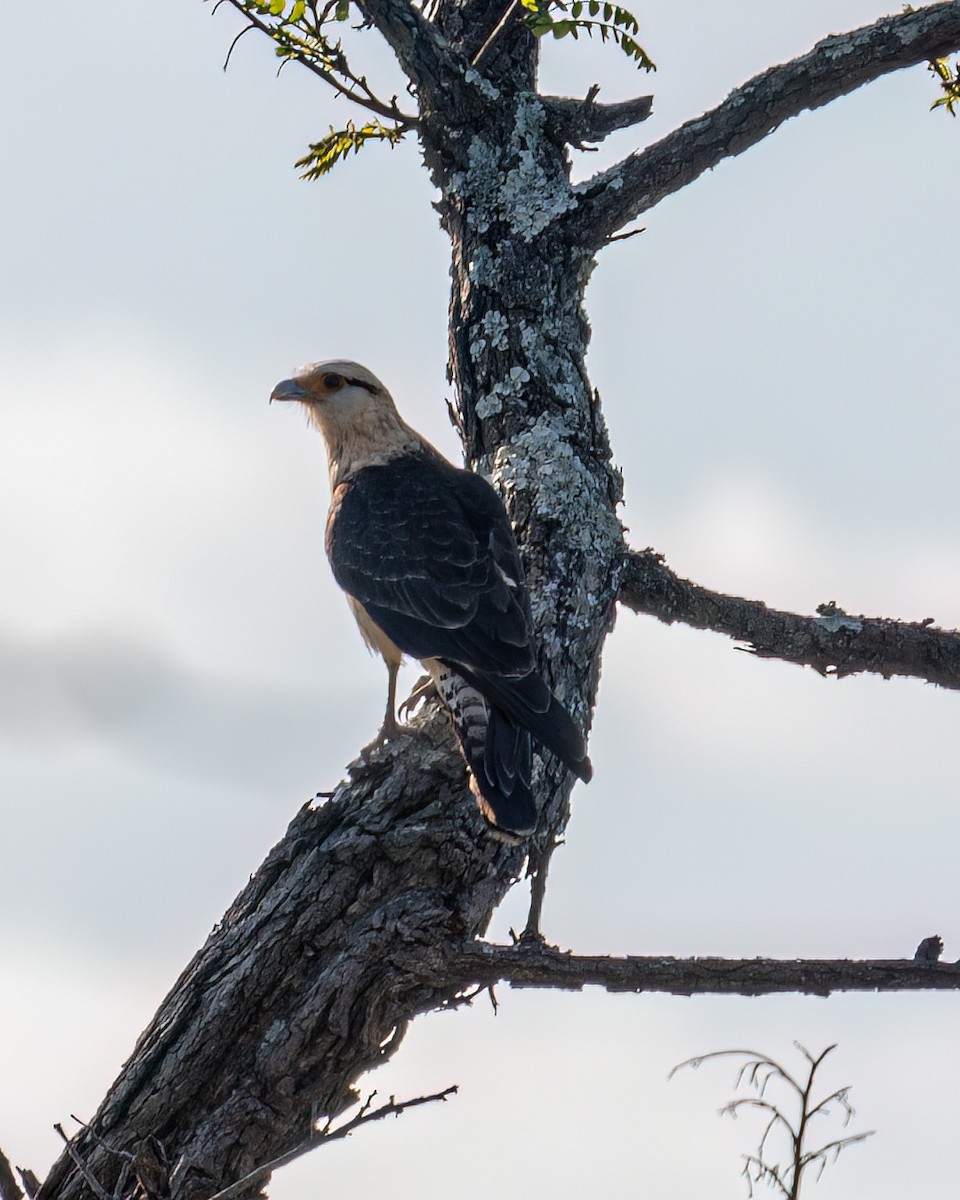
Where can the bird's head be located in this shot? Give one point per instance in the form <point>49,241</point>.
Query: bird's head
<point>334,391</point>
<point>354,412</point>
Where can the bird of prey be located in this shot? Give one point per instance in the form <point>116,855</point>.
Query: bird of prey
<point>427,558</point>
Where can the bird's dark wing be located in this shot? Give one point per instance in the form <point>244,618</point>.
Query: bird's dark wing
<point>428,551</point>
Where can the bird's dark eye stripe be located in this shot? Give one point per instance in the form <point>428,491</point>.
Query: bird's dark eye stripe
<point>362,383</point>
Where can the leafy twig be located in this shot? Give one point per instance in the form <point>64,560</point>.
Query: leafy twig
<point>949,79</point>
<point>323,156</point>
<point>300,37</point>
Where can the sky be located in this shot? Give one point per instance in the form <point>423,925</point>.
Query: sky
<point>776,355</point>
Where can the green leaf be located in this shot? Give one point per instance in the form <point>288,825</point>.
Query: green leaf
<point>609,20</point>
<point>324,155</point>
<point>299,8</point>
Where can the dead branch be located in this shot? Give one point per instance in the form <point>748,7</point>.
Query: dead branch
<point>580,121</point>
<point>835,66</point>
<point>535,965</point>
<point>8,1184</point>
<point>833,642</point>
<point>329,1133</point>
<point>758,1071</point>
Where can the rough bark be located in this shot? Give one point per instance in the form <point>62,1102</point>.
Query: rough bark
<point>311,976</point>
<point>544,966</point>
<point>363,915</point>
<point>834,643</point>
<point>834,67</point>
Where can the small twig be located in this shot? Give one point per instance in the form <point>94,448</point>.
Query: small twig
<point>31,1184</point>
<point>497,30</point>
<point>622,237</point>
<point>92,1133</point>
<point>8,1185</point>
<point>319,1137</point>
<point>246,29</point>
<point>95,1185</point>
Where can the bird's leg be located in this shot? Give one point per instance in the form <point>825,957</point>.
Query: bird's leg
<point>537,869</point>
<point>389,729</point>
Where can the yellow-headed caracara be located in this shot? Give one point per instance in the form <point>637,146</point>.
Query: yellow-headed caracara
<point>429,563</point>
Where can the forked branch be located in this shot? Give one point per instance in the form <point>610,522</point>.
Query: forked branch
<point>832,642</point>
<point>837,65</point>
<point>325,60</point>
<point>328,1133</point>
<point>787,1122</point>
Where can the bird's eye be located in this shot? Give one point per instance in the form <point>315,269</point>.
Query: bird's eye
<point>332,382</point>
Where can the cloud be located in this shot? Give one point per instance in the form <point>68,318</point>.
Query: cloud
<point>148,707</point>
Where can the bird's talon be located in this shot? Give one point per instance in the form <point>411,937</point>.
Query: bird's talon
<point>424,689</point>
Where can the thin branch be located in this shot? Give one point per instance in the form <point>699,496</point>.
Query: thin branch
<point>356,89</point>
<point>255,1179</point>
<point>8,1184</point>
<point>512,7</point>
<point>91,1180</point>
<point>534,965</point>
<point>833,643</point>
<point>835,66</point>
<point>31,1184</point>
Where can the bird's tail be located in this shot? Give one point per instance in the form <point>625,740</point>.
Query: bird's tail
<point>498,752</point>
<point>531,704</point>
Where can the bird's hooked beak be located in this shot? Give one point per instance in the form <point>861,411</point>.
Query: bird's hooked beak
<point>288,389</point>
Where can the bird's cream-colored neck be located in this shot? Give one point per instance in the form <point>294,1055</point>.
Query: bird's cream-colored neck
<point>368,438</point>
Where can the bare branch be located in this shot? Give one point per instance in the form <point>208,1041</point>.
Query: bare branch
<point>795,1129</point>
<point>837,65</point>
<point>256,1179</point>
<point>533,965</point>
<point>512,7</point>
<point>91,1180</point>
<point>8,1185</point>
<point>580,121</point>
<point>31,1184</point>
<point>833,643</point>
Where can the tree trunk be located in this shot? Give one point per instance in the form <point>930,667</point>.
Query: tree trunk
<point>342,936</point>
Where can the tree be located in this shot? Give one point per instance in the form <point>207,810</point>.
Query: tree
<point>426,892</point>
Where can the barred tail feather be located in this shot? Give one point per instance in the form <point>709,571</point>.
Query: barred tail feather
<point>498,752</point>
<point>530,703</point>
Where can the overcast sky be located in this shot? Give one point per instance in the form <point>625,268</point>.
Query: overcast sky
<point>777,356</point>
